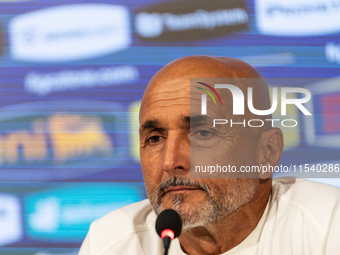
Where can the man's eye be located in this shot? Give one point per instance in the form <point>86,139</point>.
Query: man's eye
<point>154,139</point>
<point>203,133</point>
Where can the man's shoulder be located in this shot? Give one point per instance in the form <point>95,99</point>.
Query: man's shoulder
<point>316,202</point>
<point>121,226</point>
<point>134,217</point>
<point>301,190</point>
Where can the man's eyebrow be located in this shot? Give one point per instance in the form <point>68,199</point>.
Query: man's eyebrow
<point>195,119</point>
<point>198,119</point>
<point>149,124</point>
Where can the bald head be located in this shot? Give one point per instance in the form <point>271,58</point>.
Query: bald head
<point>181,70</point>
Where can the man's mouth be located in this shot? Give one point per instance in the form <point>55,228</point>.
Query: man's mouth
<point>180,188</point>
<point>179,185</point>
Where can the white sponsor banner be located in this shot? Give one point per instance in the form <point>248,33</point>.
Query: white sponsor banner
<point>298,17</point>
<point>10,220</point>
<point>69,32</point>
<point>44,83</point>
<point>153,24</point>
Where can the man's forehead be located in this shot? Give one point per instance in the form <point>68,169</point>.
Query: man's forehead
<point>162,97</point>
<point>163,122</point>
<point>154,123</point>
<point>180,101</point>
<point>164,87</point>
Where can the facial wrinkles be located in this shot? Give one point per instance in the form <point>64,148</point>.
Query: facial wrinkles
<point>165,94</point>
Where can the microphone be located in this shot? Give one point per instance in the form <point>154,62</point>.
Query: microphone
<point>168,227</point>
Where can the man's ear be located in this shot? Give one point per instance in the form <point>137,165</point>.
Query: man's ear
<point>271,146</point>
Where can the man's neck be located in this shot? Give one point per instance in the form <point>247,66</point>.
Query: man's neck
<point>222,236</point>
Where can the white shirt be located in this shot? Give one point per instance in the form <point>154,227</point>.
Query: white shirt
<point>301,218</point>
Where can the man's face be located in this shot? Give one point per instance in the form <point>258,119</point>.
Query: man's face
<point>166,138</point>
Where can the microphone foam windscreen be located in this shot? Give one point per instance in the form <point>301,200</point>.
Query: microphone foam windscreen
<point>169,219</point>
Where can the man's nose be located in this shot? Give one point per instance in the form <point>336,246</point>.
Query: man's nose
<point>177,154</point>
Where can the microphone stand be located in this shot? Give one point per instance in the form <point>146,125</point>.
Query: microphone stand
<point>166,243</point>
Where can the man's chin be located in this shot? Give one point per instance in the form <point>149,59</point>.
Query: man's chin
<point>192,215</point>
<point>185,205</point>
<point>187,198</point>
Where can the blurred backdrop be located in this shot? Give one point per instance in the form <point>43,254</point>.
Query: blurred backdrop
<point>72,74</point>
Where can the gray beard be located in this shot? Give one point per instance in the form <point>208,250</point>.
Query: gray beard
<point>238,193</point>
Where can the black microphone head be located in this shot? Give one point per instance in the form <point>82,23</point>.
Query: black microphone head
<point>169,219</point>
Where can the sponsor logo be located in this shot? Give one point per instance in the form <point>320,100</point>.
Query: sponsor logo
<point>332,52</point>
<point>61,141</point>
<point>10,219</point>
<point>69,32</point>
<point>66,214</point>
<point>298,18</point>
<point>42,84</point>
<point>323,130</point>
<point>191,20</point>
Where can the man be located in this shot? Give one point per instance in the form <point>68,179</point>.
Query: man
<point>220,215</point>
